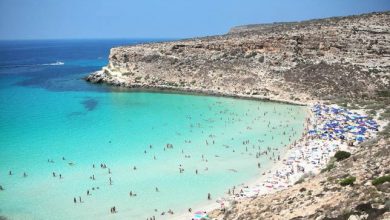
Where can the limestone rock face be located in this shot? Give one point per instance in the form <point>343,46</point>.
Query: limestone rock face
<point>334,57</point>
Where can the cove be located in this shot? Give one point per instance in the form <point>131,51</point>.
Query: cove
<point>216,137</point>
<point>51,121</point>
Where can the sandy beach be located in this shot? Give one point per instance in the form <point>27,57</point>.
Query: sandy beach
<point>305,157</point>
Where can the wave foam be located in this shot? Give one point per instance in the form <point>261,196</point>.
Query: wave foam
<point>58,63</point>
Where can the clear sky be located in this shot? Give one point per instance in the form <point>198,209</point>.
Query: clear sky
<point>58,19</point>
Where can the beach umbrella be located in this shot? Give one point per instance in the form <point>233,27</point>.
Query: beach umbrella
<point>360,138</point>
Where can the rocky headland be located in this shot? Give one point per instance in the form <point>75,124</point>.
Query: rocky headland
<point>340,60</point>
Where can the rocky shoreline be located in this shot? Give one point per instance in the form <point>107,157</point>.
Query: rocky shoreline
<point>300,62</point>
<point>336,60</point>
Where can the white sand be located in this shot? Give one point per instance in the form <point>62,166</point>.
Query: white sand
<point>314,155</point>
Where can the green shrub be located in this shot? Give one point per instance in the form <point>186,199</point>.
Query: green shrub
<point>304,177</point>
<point>348,181</point>
<point>329,166</point>
<point>341,155</point>
<point>380,180</point>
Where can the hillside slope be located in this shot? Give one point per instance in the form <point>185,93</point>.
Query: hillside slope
<point>319,59</point>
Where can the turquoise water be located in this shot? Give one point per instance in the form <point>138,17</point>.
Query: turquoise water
<point>52,121</point>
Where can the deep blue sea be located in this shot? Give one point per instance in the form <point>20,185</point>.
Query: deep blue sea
<point>54,123</point>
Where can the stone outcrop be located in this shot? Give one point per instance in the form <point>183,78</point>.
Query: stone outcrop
<point>299,61</point>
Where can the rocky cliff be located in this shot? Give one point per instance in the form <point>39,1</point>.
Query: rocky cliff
<point>343,60</point>
<point>318,59</point>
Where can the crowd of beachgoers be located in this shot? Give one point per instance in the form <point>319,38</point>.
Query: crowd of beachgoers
<point>241,133</point>
<point>327,130</point>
